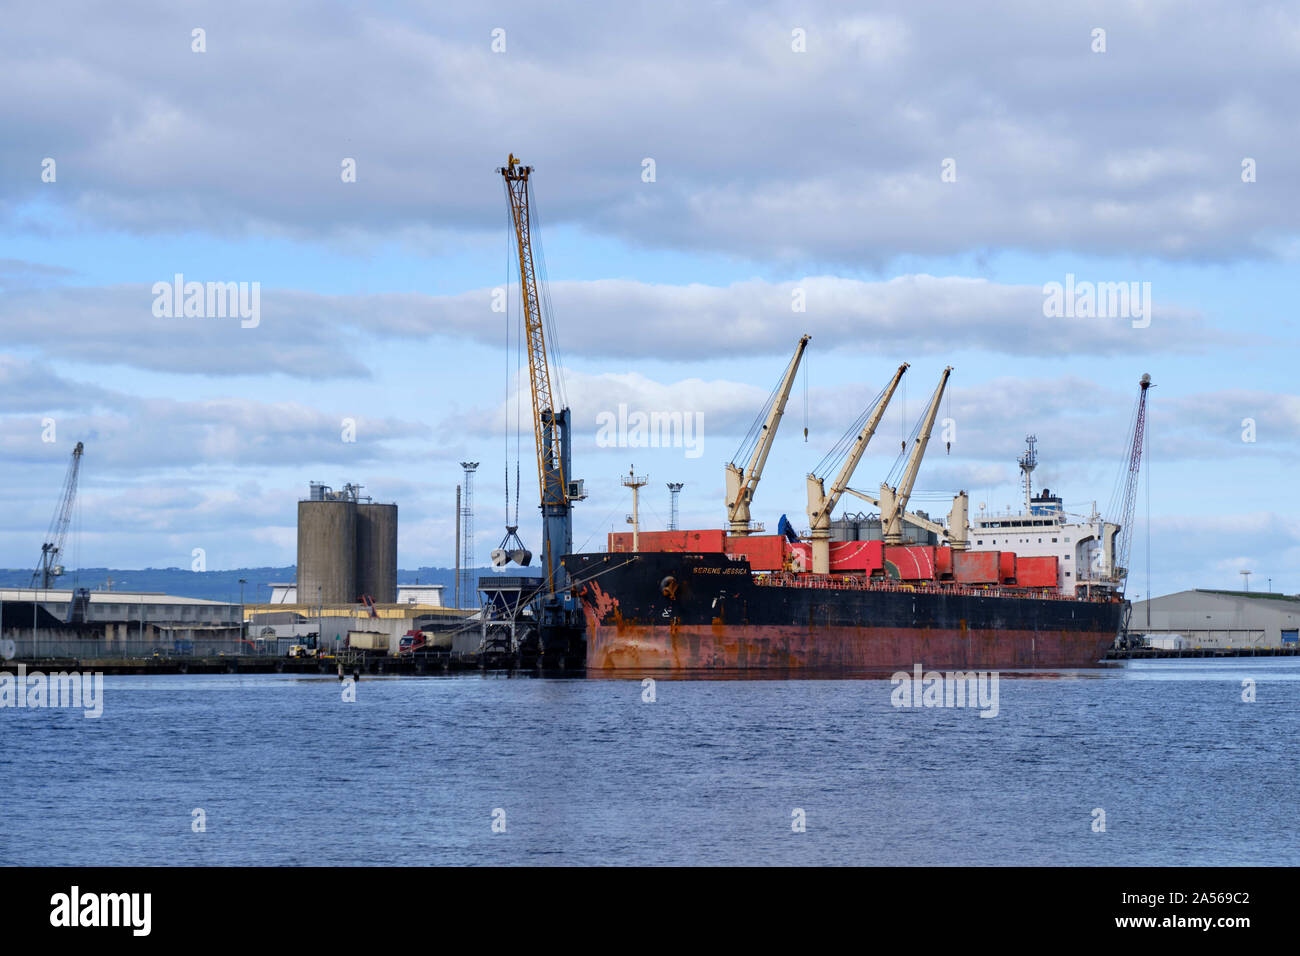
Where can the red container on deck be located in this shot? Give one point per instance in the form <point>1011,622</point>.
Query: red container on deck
<point>1037,572</point>
<point>914,562</point>
<point>764,552</point>
<point>976,567</point>
<point>695,542</point>
<point>943,563</point>
<point>1007,567</point>
<point>855,556</point>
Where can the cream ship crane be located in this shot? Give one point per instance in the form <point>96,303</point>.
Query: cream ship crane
<point>742,482</point>
<point>821,503</point>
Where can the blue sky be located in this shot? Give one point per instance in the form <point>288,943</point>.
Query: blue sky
<point>775,169</point>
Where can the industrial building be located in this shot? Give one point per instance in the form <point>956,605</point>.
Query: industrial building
<point>115,623</point>
<point>1218,619</point>
<point>425,595</point>
<point>347,547</point>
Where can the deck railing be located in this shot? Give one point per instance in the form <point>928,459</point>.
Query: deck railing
<point>852,583</point>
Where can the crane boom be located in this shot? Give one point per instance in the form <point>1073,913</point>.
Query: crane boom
<point>820,503</point>
<point>539,373</point>
<point>1119,573</point>
<point>741,483</point>
<point>49,567</point>
<point>893,501</point>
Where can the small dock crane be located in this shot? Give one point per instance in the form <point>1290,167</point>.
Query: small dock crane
<point>52,550</point>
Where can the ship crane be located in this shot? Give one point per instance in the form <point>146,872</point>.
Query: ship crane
<point>52,550</point>
<point>893,501</point>
<point>1133,456</point>
<point>821,503</point>
<point>742,482</point>
<point>551,429</point>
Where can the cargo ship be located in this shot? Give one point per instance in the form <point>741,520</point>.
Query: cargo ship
<point>709,600</point>
<point>665,610</point>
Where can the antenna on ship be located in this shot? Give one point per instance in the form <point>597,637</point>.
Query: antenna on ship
<point>1028,462</point>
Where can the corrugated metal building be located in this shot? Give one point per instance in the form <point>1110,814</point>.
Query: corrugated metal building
<point>116,621</point>
<point>1208,618</point>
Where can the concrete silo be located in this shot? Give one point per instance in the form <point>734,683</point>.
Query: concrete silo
<point>327,548</point>
<point>376,551</point>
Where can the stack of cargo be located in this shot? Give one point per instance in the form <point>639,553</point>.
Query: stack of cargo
<point>910,562</point>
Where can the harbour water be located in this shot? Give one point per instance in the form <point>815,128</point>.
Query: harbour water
<point>418,770</point>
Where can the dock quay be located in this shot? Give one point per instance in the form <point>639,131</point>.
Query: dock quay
<point>448,662</point>
<point>1160,653</point>
<point>371,665</point>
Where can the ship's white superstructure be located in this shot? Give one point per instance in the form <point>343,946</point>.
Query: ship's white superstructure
<point>1084,548</point>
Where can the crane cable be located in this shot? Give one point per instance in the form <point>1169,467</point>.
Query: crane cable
<point>515,385</point>
<point>506,430</point>
<point>805,400</point>
<point>840,450</point>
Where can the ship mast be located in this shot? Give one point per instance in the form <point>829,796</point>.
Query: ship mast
<point>1028,462</point>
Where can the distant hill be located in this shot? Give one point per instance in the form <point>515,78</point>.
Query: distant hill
<point>213,585</point>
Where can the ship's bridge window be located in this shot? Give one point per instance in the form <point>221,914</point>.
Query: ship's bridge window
<point>1053,540</point>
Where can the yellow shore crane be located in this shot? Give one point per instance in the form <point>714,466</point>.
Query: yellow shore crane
<point>743,481</point>
<point>556,611</point>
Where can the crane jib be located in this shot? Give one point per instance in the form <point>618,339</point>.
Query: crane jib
<point>550,468</point>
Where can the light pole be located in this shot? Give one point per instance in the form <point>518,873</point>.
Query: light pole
<point>242,631</point>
